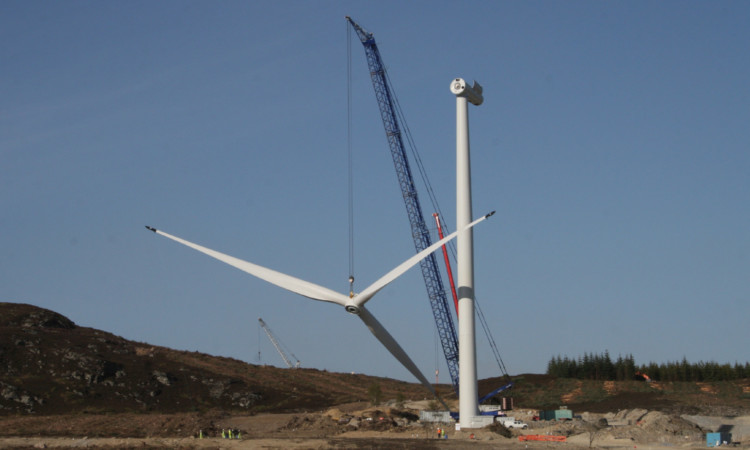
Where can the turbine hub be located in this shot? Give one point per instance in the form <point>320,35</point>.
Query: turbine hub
<point>352,309</point>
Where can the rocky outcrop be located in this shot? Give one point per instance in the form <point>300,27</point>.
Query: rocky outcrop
<point>28,316</point>
<point>17,399</point>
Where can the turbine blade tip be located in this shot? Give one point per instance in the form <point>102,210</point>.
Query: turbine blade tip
<point>151,228</point>
<point>490,214</point>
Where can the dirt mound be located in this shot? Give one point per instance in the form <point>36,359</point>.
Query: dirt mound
<point>643,426</point>
<point>335,414</point>
<point>659,422</point>
<point>626,416</point>
<point>311,425</point>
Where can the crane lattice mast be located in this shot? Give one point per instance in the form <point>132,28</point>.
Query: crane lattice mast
<point>433,282</point>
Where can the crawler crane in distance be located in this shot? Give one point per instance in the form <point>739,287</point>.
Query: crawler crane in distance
<point>278,348</point>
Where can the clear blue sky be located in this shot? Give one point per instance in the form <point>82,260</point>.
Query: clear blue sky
<point>613,142</point>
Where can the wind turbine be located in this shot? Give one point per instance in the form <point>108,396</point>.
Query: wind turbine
<point>353,303</point>
<point>468,409</point>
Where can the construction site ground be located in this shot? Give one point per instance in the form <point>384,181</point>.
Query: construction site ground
<point>360,426</point>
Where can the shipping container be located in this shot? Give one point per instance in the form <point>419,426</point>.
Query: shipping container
<point>716,439</point>
<point>556,414</point>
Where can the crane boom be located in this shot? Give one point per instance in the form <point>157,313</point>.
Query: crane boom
<point>433,282</point>
<point>277,346</point>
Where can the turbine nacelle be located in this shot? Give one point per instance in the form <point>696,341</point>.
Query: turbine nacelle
<point>472,93</point>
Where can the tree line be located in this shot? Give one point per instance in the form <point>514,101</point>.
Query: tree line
<point>592,366</point>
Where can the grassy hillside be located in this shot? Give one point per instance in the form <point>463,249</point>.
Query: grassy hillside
<point>49,365</point>
<point>548,392</point>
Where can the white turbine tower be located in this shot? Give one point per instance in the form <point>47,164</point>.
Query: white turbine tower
<point>354,304</point>
<point>468,405</point>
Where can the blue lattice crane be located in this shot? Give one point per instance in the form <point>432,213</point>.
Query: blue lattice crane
<point>393,131</point>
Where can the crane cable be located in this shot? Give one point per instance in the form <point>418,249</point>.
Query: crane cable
<point>350,155</point>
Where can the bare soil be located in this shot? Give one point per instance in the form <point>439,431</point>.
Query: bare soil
<point>351,426</point>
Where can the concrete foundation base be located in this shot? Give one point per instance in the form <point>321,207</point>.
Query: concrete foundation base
<point>475,422</point>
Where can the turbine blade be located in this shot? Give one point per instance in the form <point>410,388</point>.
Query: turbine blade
<point>390,343</point>
<point>288,282</point>
<point>373,289</point>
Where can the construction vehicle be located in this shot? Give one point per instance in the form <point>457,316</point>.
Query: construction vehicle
<point>512,423</point>
<point>642,376</point>
<point>278,347</point>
